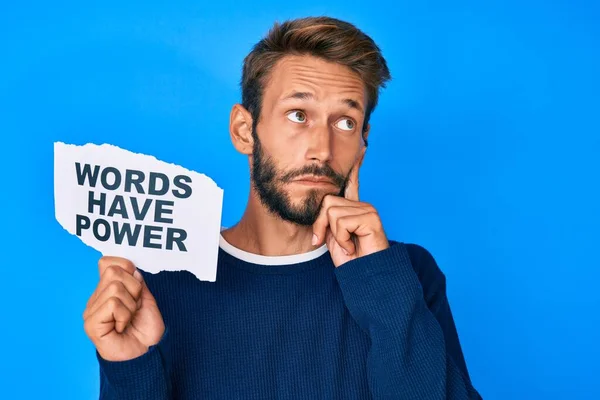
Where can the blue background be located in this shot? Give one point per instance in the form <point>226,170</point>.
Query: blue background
<point>485,149</point>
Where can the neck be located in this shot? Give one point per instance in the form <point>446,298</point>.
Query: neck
<point>261,232</point>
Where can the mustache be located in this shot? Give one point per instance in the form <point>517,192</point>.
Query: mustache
<point>324,171</point>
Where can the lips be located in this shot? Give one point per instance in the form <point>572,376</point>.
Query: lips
<point>313,179</point>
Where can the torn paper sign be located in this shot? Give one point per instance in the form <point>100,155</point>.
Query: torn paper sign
<point>158,215</point>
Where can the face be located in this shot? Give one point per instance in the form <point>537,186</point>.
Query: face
<point>309,136</point>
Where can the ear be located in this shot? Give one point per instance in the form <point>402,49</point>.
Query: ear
<point>240,129</point>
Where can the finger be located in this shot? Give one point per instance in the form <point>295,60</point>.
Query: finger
<point>347,228</point>
<point>336,212</point>
<point>351,192</point>
<point>323,220</point>
<point>107,261</point>
<point>145,294</point>
<point>119,314</point>
<point>111,315</point>
<point>114,289</point>
<point>320,225</point>
<point>331,242</point>
<point>132,282</point>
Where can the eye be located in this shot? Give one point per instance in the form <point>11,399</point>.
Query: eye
<point>297,116</point>
<point>345,124</point>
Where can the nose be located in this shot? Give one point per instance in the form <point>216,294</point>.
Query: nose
<point>319,148</point>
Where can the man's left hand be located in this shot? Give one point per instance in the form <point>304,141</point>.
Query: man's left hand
<point>351,228</point>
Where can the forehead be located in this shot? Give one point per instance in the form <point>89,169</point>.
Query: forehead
<point>323,79</point>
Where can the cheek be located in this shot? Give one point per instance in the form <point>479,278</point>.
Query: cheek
<point>284,145</point>
<point>346,152</point>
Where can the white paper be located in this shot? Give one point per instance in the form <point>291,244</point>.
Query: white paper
<point>155,204</point>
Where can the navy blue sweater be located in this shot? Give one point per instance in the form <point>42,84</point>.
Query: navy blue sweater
<point>378,327</point>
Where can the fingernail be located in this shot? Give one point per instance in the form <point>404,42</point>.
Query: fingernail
<point>137,275</point>
<point>315,239</point>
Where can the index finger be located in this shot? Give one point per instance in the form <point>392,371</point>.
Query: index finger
<point>123,270</point>
<point>351,192</point>
<point>123,263</point>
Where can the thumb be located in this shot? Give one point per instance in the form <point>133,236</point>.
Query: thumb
<point>146,294</point>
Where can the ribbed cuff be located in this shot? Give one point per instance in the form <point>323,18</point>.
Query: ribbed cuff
<point>145,376</point>
<point>394,259</point>
<point>378,286</point>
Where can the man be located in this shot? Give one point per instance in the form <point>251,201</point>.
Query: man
<point>311,300</point>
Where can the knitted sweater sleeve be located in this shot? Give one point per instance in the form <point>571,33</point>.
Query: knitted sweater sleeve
<point>143,378</point>
<point>414,351</point>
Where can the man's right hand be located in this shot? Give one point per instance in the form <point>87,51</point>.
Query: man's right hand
<point>122,318</point>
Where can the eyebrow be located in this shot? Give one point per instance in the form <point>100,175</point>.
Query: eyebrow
<point>309,96</point>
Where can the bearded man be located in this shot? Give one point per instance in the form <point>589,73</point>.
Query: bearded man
<point>312,300</point>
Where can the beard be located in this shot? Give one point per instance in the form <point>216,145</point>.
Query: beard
<point>269,184</point>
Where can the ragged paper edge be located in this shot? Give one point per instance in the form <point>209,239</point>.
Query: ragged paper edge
<point>108,145</point>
